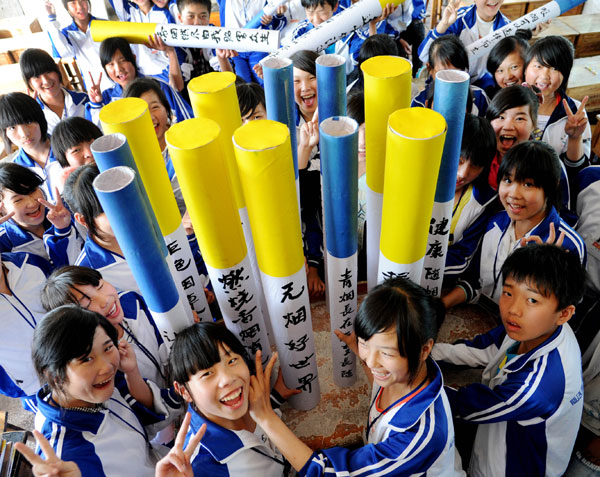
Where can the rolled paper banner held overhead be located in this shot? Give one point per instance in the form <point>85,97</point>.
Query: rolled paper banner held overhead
<point>415,141</point>
<point>529,21</point>
<point>336,28</point>
<point>196,149</point>
<point>450,100</point>
<point>130,117</point>
<point>263,154</point>
<point>331,86</point>
<point>269,9</point>
<point>279,97</point>
<point>189,36</point>
<point>387,81</point>
<point>339,170</point>
<point>142,249</point>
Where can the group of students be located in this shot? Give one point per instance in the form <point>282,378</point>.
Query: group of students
<point>525,217</point>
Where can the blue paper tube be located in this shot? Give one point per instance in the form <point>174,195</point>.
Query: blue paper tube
<point>331,86</point>
<point>121,200</point>
<point>450,100</point>
<point>339,170</point>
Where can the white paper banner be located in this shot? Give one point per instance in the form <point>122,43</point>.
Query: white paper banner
<point>437,247</point>
<point>167,321</point>
<point>389,269</point>
<point>374,208</point>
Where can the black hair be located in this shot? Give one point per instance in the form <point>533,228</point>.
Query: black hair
<point>69,133</point>
<point>58,288</point>
<point>319,3</point>
<point>109,47</point>
<point>81,198</point>
<point>513,97</point>
<point>139,86</point>
<point>18,179</point>
<point>18,108</point>
<point>181,4</point>
<point>553,52</point>
<point>405,307</point>
<point>64,334</point>
<point>65,2</point>
<point>478,144</point>
<point>504,48</point>
<point>448,50</point>
<point>35,62</point>
<point>197,347</point>
<point>250,95</point>
<point>535,161</point>
<point>377,45</point>
<point>356,106</point>
<point>550,269</point>
<point>305,60</point>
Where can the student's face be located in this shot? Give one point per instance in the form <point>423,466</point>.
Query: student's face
<point>510,71</point>
<point>102,299</point>
<point>160,3</point>
<point>28,211</point>
<point>91,378</point>
<point>380,353</point>
<point>512,127</point>
<point>47,86</point>
<point>26,136</point>
<point>120,70</point>
<point>522,200</point>
<point>547,79</point>
<point>319,14</point>
<point>158,113</point>
<point>467,173</point>
<point>80,154</point>
<point>305,92</point>
<point>194,14</point>
<point>487,9</point>
<point>257,113</point>
<point>79,10</point>
<point>362,143</point>
<point>528,316</point>
<point>221,392</point>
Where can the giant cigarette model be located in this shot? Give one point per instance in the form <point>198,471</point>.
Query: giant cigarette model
<point>133,229</point>
<point>269,9</point>
<point>264,159</point>
<point>130,117</point>
<point>331,86</point>
<point>542,14</point>
<point>339,170</point>
<point>336,28</point>
<point>196,149</point>
<point>450,100</point>
<point>415,140</point>
<point>214,96</point>
<point>387,88</point>
<point>189,36</point>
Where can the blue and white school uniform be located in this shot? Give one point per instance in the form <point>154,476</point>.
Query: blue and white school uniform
<point>72,42</point>
<point>233,453</point>
<point>588,209</point>
<point>528,406</point>
<point>141,331</point>
<point>49,173</point>
<point>174,182</point>
<point>74,106</point>
<point>478,108</point>
<point>180,109</point>
<point>59,246</point>
<point>21,312</point>
<point>465,28</point>
<point>414,436</point>
<point>483,275</point>
<point>112,442</point>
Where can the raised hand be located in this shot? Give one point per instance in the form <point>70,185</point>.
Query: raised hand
<point>449,16</point>
<point>349,340</point>
<point>177,462</point>
<point>266,19</point>
<point>576,122</point>
<point>155,42</point>
<point>94,91</point>
<point>282,389</point>
<point>52,466</point>
<point>4,218</point>
<point>259,398</point>
<point>551,238</point>
<point>57,214</point>
<point>50,8</point>
<point>128,359</point>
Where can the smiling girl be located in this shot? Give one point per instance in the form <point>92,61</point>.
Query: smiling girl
<point>506,62</point>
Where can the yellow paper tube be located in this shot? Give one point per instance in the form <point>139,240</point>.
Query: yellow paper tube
<point>196,149</point>
<point>214,96</point>
<point>264,159</point>
<point>387,88</point>
<point>130,116</point>
<point>134,33</point>
<point>415,140</point>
